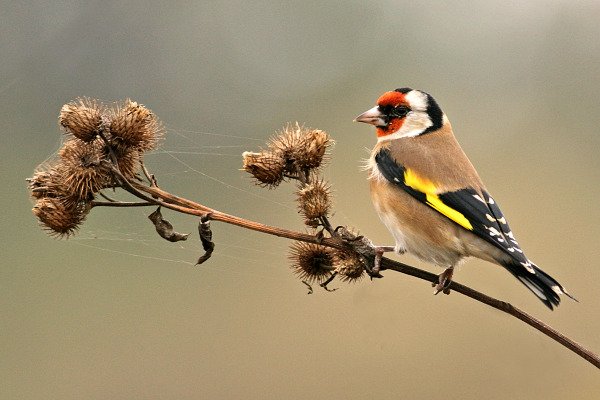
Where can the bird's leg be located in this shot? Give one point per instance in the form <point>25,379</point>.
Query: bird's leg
<point>444,281</point>
<point>379,250</point>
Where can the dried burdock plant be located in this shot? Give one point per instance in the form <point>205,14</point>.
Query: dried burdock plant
<point>105,150</point>
<point>60,218</point>
<point>348,265</point>
<point>82,118</point>
<point>314,200</point>
<point>128,159</point>
<point>81,168</point>
<point>266,167</point>
<point>296,153</point>
<point>134,125</point>
<point>311,262</point>
<point>312,153</point>
<point>47,181</point>
<point>303,149</point>
<point>287,141</point>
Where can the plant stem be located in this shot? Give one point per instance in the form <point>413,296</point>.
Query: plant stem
<point>176,203</point>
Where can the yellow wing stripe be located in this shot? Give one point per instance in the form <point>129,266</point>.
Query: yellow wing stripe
<point>428,188</point>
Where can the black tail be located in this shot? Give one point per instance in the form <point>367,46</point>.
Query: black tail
<point>545,287</point>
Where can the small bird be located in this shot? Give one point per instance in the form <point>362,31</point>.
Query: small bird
<point>429,196</point>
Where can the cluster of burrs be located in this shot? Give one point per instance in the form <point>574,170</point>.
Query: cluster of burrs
<point>104,150</point>
<point>104,146</point>
<point>297,153</point>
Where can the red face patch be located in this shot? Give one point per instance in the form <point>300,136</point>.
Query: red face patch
<point>393,126</point>
<point>393,99</point>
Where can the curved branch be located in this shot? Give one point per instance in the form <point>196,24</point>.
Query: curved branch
<point>508,308</point>
<point>186,206</point>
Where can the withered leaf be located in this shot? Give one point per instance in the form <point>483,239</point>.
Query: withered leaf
<point>165,229</point>
<point>206,238</point>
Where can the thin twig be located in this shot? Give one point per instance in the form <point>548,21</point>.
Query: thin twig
<point>150,177</point>
<point>120,203</point>
<point>328,281</point>
<point>310,289</point>
<point>146,173</point>
<point>108,197</point>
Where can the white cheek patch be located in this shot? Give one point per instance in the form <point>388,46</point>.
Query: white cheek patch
<point>417,100</point>
<point>414,124</point>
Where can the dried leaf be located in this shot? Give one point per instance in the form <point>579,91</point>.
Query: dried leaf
<point>206,238</point>
<point>165,229</point>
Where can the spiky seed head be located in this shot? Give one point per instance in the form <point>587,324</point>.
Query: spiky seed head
<point>81,118</point>
<point>134,125</point>
<point>82,170</point>
<point>47,181</point>
<point>302,148</point>
<point>128,159</point>
<point>266,167</point>
<point>60,218</point>
<point>314,199</point>
<point>287,141</point>
<point>311,262</point>
<point>313,223</point>
<point>312,152</point>
<point>349,266</point>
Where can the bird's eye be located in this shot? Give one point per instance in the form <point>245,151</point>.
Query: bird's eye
<point>399,111</point>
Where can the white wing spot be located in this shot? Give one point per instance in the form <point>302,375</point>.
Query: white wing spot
<point>490,218</point>
<point>396,179</point>
<point>502,220</point>
<point>528,267</point>
<point>493,231</point>
<point>479,198</point>
<point>491,201</point>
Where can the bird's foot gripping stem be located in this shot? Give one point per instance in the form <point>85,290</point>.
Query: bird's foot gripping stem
<point>444,281</point>
<point>379,250</point>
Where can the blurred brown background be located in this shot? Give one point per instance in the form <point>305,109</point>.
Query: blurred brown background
<point>117,313</point>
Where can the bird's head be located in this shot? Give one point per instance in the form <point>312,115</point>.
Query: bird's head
<point>403,112</point>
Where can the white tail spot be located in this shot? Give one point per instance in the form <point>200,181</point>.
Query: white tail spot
<point>534,288</point>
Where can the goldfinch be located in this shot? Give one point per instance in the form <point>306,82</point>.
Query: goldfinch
<point>429,196</point>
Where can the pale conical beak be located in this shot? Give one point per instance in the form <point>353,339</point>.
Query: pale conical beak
<point>372,116</point>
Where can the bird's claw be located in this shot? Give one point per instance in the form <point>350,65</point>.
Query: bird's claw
<point>444,281</point>
<point>379,250</point>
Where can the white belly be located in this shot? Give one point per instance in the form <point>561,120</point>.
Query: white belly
<point>415,244</point>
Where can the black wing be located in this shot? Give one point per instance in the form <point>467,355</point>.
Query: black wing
<point>481,211</point>
<point>480,214</point>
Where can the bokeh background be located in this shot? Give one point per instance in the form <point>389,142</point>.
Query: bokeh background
<point>115,312</point>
